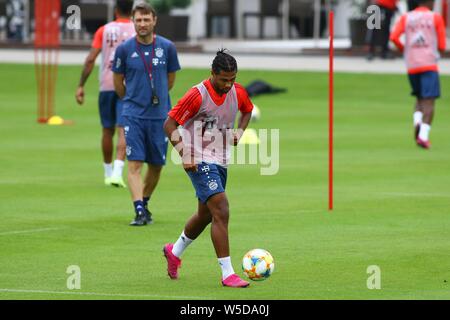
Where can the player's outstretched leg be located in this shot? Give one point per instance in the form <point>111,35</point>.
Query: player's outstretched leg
<point>150,182</point>
<point>194,227</point>
<point>418,118</point>
<point>218,206</point>
<point>423,140</point>
<point>116,178</point>
<point>107,151</point>
<point>173,262</point>
<point>135,183</point>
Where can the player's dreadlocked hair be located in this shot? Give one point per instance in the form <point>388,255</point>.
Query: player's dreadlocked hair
<point>224,62</point>
<point>125,6</point>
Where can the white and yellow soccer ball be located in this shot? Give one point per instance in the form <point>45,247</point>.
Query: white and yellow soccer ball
<point>258,264</point>
<point>256,113</point>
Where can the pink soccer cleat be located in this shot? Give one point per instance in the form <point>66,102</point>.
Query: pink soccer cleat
<point>423,144</point>
<point>173,262</point>
<point>235,282</point>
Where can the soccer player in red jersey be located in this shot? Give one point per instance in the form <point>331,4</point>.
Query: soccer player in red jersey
<point>106,40</point>
<point>209,109</point>
<point>424,38</point>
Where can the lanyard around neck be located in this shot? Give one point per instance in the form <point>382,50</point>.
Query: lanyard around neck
<point>148,68</point>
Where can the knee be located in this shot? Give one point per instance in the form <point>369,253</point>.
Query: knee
<point>134,172</point>
<point>221,218</point>
<point>134,169</point>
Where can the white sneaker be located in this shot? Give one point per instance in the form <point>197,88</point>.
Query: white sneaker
<point>107,181</point>
<point>118,182</point>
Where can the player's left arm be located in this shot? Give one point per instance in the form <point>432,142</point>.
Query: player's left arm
<point>119,86</point>
<point>171,79</point>
<point>440,30</point>
<point>89,64</point>
<point>185,109</point>
<point>173,65</point>
<point>245,106</point>
<point>119,70</point>
<point>87,70</point>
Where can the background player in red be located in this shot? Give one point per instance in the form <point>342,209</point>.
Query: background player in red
<point>424,37</point>
<point>106,40</point>
<point>211,106</point>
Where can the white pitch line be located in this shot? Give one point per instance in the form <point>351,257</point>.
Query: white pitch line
<point>28,231</point>
<point>103,294</point>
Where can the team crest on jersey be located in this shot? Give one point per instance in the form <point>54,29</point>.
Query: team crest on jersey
<point>212,185</point>
<point>159,52</point>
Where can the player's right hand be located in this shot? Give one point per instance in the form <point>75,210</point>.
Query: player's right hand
<point>190,166</point>
<point>79,96</point>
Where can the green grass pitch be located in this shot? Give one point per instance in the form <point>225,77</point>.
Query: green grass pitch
<point>392,199</point>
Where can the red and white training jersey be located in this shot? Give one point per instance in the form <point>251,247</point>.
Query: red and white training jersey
<point>108,38</point>
<point>424,36</point>
<point>207,118</point>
